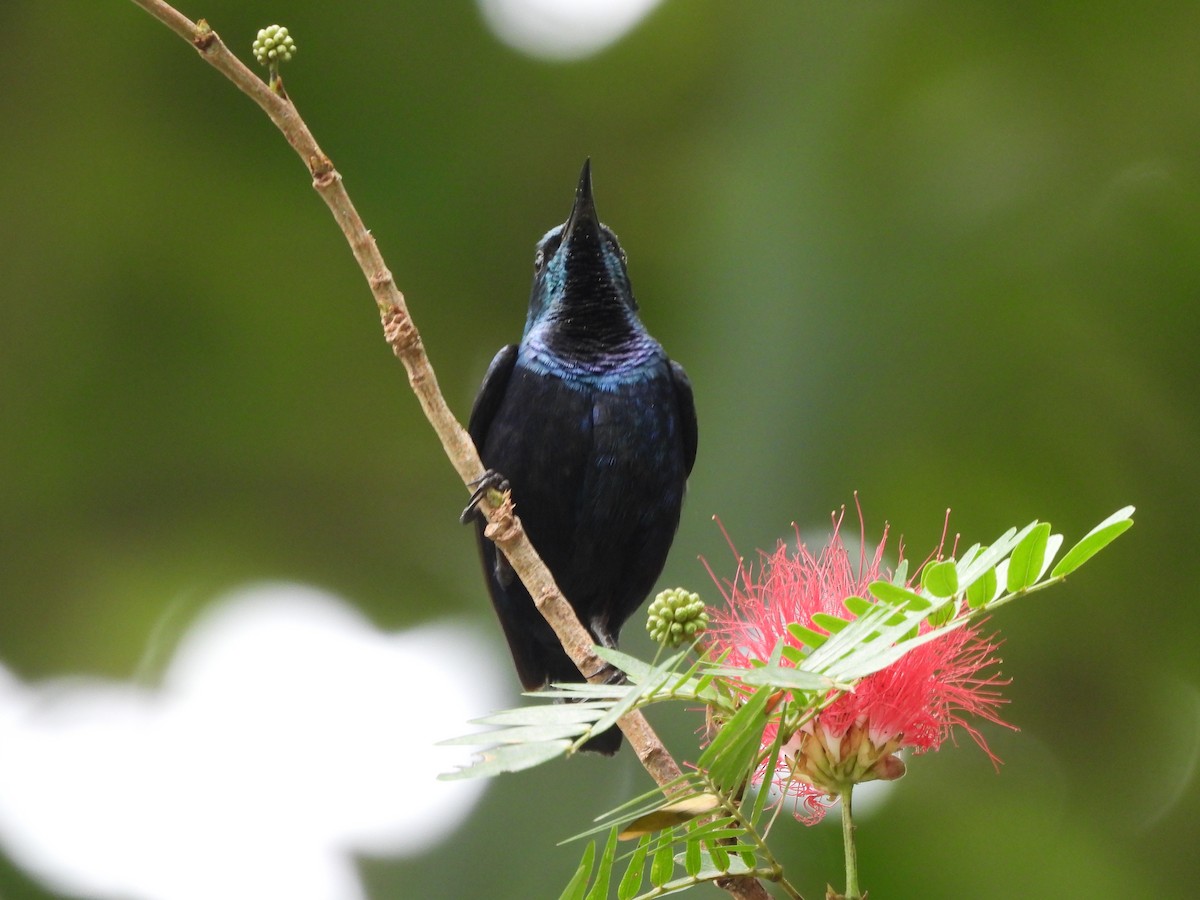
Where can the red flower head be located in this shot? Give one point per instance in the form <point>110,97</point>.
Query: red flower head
<point>914,703</point>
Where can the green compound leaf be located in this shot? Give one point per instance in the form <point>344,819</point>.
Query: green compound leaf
<point>724,828</point>
<point>732,751</point>
<point>786,678</point>
<point>533,715</point>
<point>523,734</point>
<point>1025,564</point>
<point>626,703</point>
<point>1094,541</point>
<point>637,670</point>
<point>509,758</point>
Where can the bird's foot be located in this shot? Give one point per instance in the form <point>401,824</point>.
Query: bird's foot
<point>489,481</point>
<point>611,675</point>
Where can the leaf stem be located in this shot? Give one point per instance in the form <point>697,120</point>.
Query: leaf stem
<point>774,867</point>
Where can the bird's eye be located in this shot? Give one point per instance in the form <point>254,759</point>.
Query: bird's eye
<point>539,260</point>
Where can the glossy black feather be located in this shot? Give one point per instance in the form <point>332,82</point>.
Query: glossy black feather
<point>595,430</point>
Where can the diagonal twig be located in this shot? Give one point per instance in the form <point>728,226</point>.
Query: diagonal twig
<point>401,334</point>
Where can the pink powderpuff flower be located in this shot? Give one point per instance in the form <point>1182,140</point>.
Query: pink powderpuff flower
<point>914,704</point>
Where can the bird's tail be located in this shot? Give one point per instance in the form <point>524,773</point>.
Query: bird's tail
<point>563,670</point>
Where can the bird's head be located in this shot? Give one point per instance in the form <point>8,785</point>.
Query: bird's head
<point>581,297</point>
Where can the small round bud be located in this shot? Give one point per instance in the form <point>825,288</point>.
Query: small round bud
<point>273,45</point>
<point>676,616</point>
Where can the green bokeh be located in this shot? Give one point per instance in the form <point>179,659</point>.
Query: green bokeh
<point>943,254</point>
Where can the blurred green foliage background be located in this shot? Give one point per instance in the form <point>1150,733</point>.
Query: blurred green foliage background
<point>943,254</point>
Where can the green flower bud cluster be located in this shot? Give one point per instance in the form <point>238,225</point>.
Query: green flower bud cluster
<point>273,45</point>
<point>676,616</point>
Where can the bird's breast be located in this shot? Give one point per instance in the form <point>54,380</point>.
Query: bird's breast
<point>569,444</point>
<point>598,472</point>
<point>636,360</point>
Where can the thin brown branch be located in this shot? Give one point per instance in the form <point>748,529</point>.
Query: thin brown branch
<point>401,333</point>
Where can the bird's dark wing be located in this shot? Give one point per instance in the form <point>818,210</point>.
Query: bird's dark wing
<point>491,392</point>
<point>483,412</point>
<point>687,412</point>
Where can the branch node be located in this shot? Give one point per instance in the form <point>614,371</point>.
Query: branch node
<point>399,330</point>
<point>203,37</point>
<point>323,172</point>
<point>503,525</point>
<point>382,282</point>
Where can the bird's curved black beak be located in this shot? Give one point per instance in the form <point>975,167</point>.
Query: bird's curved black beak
<point>583,220</point>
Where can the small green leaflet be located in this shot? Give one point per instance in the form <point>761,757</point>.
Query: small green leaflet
<point>599,889</point>
<point>693,859</point>
<point>578,883</point>
<point>662,864</point>
<point>898,595</point>
<point>983,590</point>
<point>807,636</point>
<point>973,566</point>
<point>1094,541</point>
<point>940,579</point>
<point>832,624</point>
<point>857,606</point>
<point>632,880</point>
<point>1027,557</point>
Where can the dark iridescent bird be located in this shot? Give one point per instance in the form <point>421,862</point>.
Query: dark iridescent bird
<point>594,428</point>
